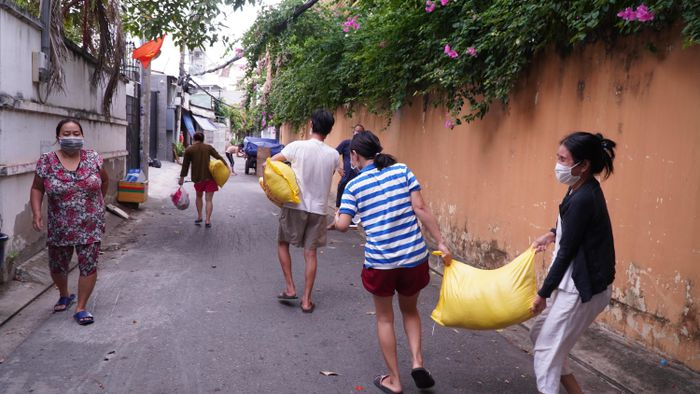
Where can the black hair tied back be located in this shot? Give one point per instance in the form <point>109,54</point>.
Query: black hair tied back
<point>367,145</point>
<point>595,148</point>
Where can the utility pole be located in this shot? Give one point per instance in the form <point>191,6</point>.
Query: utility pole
<point>146,119</point>
<point>180,94</point>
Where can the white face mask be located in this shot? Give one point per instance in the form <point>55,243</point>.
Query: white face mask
<point>563,174</point>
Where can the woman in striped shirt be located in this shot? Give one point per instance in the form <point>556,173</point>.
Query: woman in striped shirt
<point>386,196</point>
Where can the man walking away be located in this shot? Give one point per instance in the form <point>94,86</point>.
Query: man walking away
<point>304,224</point>
<point>347,172</point>
<point>198,154</point>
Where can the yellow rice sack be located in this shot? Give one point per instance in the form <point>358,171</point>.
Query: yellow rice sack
<point>487,299</point>
<point>219,171</point>
<point>280,183</point>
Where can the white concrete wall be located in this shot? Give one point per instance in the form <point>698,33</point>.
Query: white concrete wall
<point>219,140</point>
<point>27,126</point>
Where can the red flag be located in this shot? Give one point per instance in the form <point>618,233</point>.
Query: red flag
<point>148,51</point>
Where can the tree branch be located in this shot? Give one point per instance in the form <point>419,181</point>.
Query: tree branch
<point>277,30</point>
<point>217,68</point>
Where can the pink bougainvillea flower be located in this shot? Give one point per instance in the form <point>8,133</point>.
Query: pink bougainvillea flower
<point>429,6</point>
<point>449,124</point>
<point>450,52</point>
<point>643,14</point>
<point>351,22</point>
<point>444,2</point>
<point>471,51</point>
<point>627,14</point>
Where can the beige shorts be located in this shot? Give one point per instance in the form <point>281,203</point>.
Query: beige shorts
<point>302,229</point>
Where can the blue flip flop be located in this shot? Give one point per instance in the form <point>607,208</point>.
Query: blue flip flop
<point>65,302</point>
<point>84,318</point>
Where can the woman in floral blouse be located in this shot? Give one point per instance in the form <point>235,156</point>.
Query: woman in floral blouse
<point>75,184</point>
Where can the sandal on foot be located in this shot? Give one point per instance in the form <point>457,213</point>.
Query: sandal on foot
<point>309,309</point>
<point>285,296</point>
<point>207,225</point>
<point>422,378</point>
<point>378,382</point>
<point>198,222</point>
<point>64,303</point>
<point>84,318</point>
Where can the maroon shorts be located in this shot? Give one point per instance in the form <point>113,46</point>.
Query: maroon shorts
<point>405,281</point>
<point>207,186</point>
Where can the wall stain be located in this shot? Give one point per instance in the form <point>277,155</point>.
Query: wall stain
<point>485,254</point>
<point>580,88</point>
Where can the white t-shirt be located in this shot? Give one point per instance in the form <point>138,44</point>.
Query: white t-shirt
<point>313,163</point>
<point>567,281</point>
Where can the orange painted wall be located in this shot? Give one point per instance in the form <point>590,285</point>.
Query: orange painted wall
<point>491,183</point>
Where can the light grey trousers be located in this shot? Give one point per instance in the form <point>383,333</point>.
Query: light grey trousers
<point>556,331</point>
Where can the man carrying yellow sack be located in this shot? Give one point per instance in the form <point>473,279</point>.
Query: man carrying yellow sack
<point>304,224</point>
<point>198,154</point>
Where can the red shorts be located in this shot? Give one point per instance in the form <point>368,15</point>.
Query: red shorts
<point>405,281</point>
<point>207,186</point>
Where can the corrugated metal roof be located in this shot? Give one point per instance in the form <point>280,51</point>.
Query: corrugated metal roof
<point>204,123</point>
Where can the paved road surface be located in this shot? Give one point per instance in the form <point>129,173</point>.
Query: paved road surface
<point>184,309</point>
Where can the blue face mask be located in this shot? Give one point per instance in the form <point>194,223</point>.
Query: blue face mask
<point>71,144</point>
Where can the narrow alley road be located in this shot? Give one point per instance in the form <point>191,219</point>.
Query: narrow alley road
<point>185,309</point>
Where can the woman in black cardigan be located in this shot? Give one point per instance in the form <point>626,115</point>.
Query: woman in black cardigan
<point>577,287</point>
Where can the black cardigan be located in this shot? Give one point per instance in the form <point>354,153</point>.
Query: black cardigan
<point>586,240</point>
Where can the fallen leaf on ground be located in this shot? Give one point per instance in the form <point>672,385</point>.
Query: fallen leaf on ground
<point>371,313</point>
<point>359,388</point>
<point>329,373</point>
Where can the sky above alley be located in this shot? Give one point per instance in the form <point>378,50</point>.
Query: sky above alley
<point>237,23</point>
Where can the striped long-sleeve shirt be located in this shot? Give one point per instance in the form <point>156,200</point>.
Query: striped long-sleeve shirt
<point>383,201</point>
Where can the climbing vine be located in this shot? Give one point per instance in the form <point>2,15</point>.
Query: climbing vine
<point>463,55</point>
